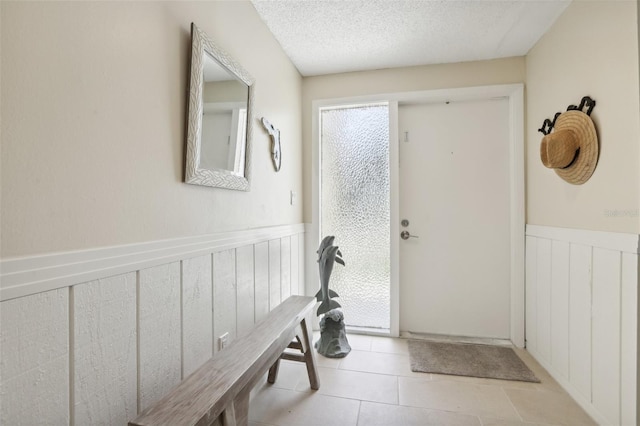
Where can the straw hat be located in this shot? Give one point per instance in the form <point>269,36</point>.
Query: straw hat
<point>572,148</point>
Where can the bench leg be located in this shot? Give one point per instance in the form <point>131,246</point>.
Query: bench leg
<point>273,372</point>
<point>229,416</point>
<point>309,355</point>
<point>237,413</point>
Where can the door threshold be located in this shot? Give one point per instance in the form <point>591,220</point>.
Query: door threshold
<point>370,331</point>
<point>456,339</point>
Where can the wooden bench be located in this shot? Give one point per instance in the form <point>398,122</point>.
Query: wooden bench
<point>220,388</point>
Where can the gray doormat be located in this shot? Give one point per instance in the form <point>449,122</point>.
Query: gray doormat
<point>493,362</point>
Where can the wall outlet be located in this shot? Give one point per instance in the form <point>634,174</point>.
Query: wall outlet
<point>223,341</point>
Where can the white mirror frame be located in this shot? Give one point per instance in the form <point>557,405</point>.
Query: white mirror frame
<point>200,46</point>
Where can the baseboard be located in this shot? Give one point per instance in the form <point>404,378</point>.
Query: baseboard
<point>571,390</point>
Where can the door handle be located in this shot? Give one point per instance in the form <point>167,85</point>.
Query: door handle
<point>405,235</point>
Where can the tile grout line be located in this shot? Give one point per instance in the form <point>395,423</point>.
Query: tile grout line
<point>512,404</point>
<point>398,389</point>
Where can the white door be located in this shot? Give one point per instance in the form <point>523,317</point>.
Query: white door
<point>454,181</point>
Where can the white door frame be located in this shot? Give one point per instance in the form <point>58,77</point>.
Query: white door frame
<point>515,95</point>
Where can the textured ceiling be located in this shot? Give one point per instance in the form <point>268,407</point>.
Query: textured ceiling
<point>333,36</point>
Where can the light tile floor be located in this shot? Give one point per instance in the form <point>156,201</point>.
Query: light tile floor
<point>374,385</point>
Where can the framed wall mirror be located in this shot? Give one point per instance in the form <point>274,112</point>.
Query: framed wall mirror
<point>220,115</point>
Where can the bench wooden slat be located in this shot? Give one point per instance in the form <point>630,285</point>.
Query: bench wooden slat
<point>203,396</point>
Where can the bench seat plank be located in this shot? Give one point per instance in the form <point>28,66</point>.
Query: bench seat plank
<point>207,392</point>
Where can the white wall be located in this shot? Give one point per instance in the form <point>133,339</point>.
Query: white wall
<point>592,49</point>
<point>99,351</point>
<point>93,99</point>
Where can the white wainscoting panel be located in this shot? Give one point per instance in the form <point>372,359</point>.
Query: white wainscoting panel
<point>197,313</point>
<point>224,296</point>
<point>605,331</point>
<point>159,333</point>
<point>531,330</point>
<point>275,286</point>
<point>543,298</point>
<point>94,337</point>
<point>105,350</point>
<point>34,359</point>
<point>246,289</point>
<point>285,268</point>
<point>582,316</point>
<point>296,261</point>
<point>580,319</point>
<point>262,279</point>
<point>559,303</point>
<point>628,339</point>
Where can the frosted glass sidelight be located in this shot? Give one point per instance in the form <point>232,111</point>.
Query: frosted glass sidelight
<point>355,207</point>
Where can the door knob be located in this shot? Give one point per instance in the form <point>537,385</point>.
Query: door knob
<point>405,235</point>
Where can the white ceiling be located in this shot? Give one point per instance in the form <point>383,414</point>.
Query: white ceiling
<point>334,36</point>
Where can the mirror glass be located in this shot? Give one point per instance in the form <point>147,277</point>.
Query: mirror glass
<point>219,119</point>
